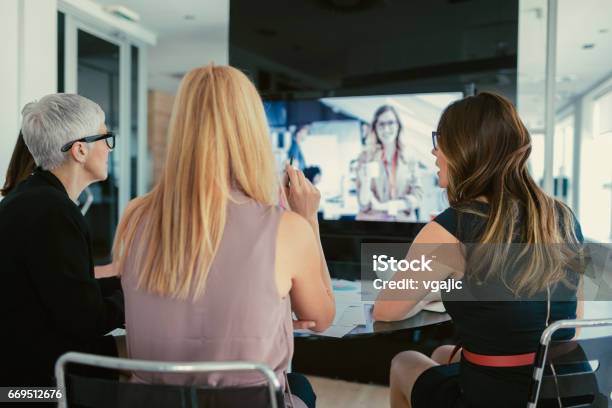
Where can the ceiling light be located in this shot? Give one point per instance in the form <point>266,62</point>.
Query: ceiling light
<point>122,12</point>
<point>588,46</point>
<point>189,17</point>
<point>603,30</point>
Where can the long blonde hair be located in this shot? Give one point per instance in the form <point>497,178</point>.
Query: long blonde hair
<point>487,147</point>
<point>219,140</point>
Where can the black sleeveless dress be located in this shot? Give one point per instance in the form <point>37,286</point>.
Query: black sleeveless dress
<point>490,328</point>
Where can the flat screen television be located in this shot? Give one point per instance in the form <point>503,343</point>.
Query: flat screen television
<point>370,156</point>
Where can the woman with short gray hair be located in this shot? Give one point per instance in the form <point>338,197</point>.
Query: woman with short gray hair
<point>64,133</point>
<point>53,303</point>
<point>56,120</point>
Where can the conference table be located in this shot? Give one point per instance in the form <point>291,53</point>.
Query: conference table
<point>364,354</point>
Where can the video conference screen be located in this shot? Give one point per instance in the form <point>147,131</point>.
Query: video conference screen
<point>370,156</point>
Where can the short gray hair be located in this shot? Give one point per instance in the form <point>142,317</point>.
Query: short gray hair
<point>55,120</point>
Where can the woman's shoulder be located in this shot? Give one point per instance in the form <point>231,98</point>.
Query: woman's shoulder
<point>448,219</point>
<point>293,224</point>
<point>459,219</point>
<point>294,237</point>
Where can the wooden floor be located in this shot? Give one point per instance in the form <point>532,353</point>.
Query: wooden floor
<point>337,393</point>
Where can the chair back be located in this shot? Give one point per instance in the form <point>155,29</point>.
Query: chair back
<point>88,392</point>
<point>573,373</point>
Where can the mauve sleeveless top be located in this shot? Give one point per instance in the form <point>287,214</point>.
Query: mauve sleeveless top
<point>240,315</point>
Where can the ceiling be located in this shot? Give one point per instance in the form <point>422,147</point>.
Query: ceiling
<point>168,17</point>
<point>203,37</point>
<point>579,68</point>
<point>190,33</point>
<point>334,45</point>
<point>581,23</point>
<point>322,38</point>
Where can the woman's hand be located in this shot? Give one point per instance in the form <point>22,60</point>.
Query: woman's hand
<point>302,196</point>
<point>105,271</point>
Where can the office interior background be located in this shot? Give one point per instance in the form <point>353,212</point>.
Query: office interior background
<point>552,58</point>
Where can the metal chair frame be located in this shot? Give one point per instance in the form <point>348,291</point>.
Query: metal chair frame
<point>545,339</point>
<point>272,382</point>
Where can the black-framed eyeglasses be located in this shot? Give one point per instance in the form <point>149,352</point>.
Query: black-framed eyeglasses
<point>108,137</point>
<point>434,139</point>
<point>386,124</point>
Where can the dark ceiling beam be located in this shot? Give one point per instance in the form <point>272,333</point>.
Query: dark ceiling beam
<point>432,71</point>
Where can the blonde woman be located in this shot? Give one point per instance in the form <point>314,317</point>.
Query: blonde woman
<point>211,267</point>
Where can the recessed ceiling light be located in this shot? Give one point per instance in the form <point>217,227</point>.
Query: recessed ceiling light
<point>122,12</point>
<point>189,17</point>
<point>588,46</point>
<point>603,30</point>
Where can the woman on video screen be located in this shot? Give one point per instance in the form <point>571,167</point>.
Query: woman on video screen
<point>388,187</point>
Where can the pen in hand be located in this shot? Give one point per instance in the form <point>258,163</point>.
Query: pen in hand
<point>284,187</point>
<point>291,164</point>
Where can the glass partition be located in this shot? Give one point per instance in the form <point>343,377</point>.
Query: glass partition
<point>98,68</point>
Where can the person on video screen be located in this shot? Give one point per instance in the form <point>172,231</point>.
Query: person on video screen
<point>388,186</point>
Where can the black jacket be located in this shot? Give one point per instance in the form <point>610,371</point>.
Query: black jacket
<point>50,302</point>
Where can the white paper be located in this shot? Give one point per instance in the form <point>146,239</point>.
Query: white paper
<point>349,309</point>
<point>437,307</point>
<point>351,316</point>
<point>332,331</point>
<point>116,332</point>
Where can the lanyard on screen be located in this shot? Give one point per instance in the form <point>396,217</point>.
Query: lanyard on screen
<point>393,176</point>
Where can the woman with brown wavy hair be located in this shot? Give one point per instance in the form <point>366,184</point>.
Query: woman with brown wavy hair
<point>20,166</point>
<point>482,147</point>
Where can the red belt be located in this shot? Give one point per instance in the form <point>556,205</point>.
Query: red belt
<point>514,360</point>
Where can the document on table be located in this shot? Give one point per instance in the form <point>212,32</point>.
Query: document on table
<point>435,307</point>
<point>348,316</point>
<point>350,312</point>
<point>116,332</point>
<point>352,316</point>
<point>332,331</point>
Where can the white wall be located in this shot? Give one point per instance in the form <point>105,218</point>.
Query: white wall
<point>177,53</point>
<point>174,55</point>
<point>28,71</point>
<point>9,95</point>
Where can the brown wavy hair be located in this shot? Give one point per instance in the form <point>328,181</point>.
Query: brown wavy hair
<point>20,167</point>
<point>487,147</point>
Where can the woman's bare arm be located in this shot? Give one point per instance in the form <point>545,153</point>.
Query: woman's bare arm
<point>433,239</point>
